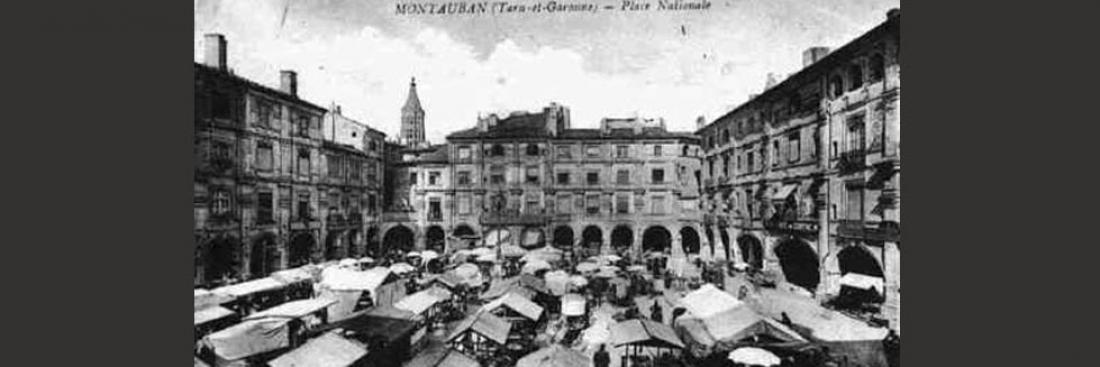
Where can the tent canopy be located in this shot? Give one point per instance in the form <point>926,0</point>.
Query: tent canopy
<point>486,324</point>
<point>517,303</point>
<point>294,309</point>
<point>291,276</point>
<point>205,298</point>
<point>555,355</point>
<point>211,313</point>
<point>250,338</point>
<point>328,350</point>
<point>708,301</point>
<point>250,287</point>
<point>457,359</point>
<point>347,279</point>
<point>742,322</point>
<point>417,302</point>
<point>824,324</point>
<point>644,333</point>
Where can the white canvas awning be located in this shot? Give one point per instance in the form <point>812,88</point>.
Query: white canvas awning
<point>708,301</point>
<point>861,281</point>
<point>250,338</point>
<point>293,309</point>
<point>418,302</point>
<point>211,313</point>
<point>329,350</point>
<point>250,287</point>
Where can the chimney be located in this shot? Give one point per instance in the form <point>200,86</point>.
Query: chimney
<point>700,122</point>
<point>215,51</point>
<point>893,13</point>
<point>289,82</point>
<point>813,54</point>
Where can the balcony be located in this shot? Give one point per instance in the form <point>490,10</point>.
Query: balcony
<point>852,160</point>
<point>514,217</point>
<point>399,216</point>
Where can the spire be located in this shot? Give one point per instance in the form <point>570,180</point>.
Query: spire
<point>413,102</point>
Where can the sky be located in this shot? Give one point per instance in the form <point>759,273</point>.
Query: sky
<point>676,65</point>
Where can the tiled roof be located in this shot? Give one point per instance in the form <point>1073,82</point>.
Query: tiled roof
<point>200,68</point>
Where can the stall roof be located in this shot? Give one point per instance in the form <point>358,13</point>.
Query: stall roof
<point>741,322</point>
<point>328,350</point>
<point>505,286</point>
<point>645,333</point>
<point>211,313</point>
<point>250,338</point>
<point>205,298</point>
<point>291,276</point>
<point>417,302</point>
<point>517,303</point>
<point>555,355</point>
<point>250,287</point>
<point>489,326</point>
<point>440,292</point>
<point>824,324</point>
<point>708,301</point>
<point>294,309</point>
<point>861,281</point>
<point>200,363</point>
<point>457,359</point>
<point>367,326</point>
<point>346,279</point>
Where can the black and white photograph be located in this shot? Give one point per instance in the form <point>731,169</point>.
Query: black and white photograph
<point>607,183</point>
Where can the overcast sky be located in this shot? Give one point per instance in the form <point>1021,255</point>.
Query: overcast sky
<point>677,65</point>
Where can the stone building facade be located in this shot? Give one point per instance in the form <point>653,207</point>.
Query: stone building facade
<point>269,191</point>
<point>804,178</point>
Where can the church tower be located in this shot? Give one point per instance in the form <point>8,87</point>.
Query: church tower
<point>412,119</point>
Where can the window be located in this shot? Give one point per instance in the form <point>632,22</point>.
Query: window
<point>878,68</point>
<point>356,170</point>
<point>265,207</point>
<point>373,146</point>
<point>656,150</point>
<point>372,202</point>
<point>658,175</point>
<point>464,204</point>
<point>751,166</point>
<point>855,133</point>
<point>303,206</point>
<point>220,152</point>
<point>725,165</point>
<point>372,172</point>
<point>496,178</point>
<point>412,178</point>
<point>565,203</point>
<point>711,170</point>
<point>565,152</point>
<point>592,203</point>
<point>855,203</point>
<point>463,177</point>
<point>435,210</point>
<point>463,153</point>
<point>749,203</point>
<point>301,120</point>
<point>621,151</point>
<point>303,161</point>
<point>740,160</point>
<point>593,178</point>
<point>592,151</point>
<point>563,178</point>
<point>658,205</point>
<point>433,178</point>
<point>775,153</point>
<point>263,112</point>
<point>222,107</point>
<point>794,142</point>
<point>833,151</point>
<point>532,176</point>
<point>622,177</point>
<point>532,149</point>
<point>622,203</point>
<point>497,150</point>
<point>219,205</point>
<point>533,204</point>
<point>333,166</point>
<point>836,86</point>
<point>354,134</point>
<point>855,76</point>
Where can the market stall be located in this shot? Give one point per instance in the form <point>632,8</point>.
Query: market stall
<point>555,355</point>
<point>253,294</point>
<point>481,335</point>
<point>328,350</point>
<point>247,343</point>
<point>358,290</point>
<point>644,341</point>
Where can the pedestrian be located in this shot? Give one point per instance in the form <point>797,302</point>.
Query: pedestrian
<point>602,358</point>
<point>657,313</point>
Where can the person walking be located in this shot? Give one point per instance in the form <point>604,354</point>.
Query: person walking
<point>602,358</point>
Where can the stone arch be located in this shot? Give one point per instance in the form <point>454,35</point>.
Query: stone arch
<point>857,259</point>
<point>622,238</point>
<point>563,238</point>
<point>689,240</point>
<point>752,251</point>
<point>656,239</point>
<point>264,257</point>
<point>301,249</point>
<point>464,231</point>
<point>436,239</point>
<point>592,239</point>
<point>799,262</point>
<point>221,258</point>
<point>398,238</point>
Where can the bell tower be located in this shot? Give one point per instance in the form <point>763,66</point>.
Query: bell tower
<point>412,118</point>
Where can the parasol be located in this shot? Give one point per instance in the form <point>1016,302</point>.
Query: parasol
<point>754,357</point>
<point>428,255</point>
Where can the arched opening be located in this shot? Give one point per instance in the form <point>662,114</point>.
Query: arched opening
<point>856,259</point>
<point>656,239</point>
<point>855,76</point>
<point>622,238</point>
<point>878,67</point>
<point>464,231</point>
<point>752,252</point>
<point>399,238</point>
<point>592,240</point>
<point>836,88</point>
<point>374,247</point>
<point>725,242</point>
<point>563,238</point>
<point>301,249</point>
<point>799,263</point>
<point>264,258</point>
<point>334,244</point>
<point>436,239</point>
<point>689,239</point>
<point>532,238</point>
<point>221,260</point>
<point>355,242</point>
